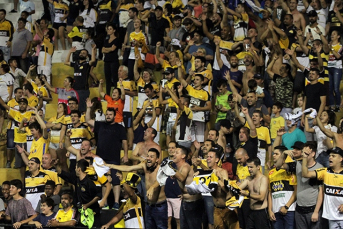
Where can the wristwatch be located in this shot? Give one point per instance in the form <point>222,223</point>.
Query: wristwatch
<point>286,207</point>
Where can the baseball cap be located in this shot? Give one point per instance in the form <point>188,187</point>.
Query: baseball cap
<point>312,13</point>
<point>258,76</point>
<point>35,159</point>
<point>336,150</point>
<point>175,42</point>
<point>268,10</point>
<point>168,70</point>
<point>298,145</point>
<point>23,100</point>
<point>187,21</point>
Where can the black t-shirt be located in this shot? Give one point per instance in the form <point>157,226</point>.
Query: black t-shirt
<point>157,29</point>
<point>110,138</point>
<point>111,56</point>
<point>291,32</point>
<point>313,94</point>
<point>81,74</point>
<point>74,8</point>
<point>251,146</point>
<point>187,36</point>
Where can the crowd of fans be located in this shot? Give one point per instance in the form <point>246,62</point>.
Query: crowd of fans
<point>246,109</point>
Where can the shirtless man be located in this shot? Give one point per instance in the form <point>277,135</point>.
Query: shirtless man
<point>140,153</point>
<point>156,209</point>
<point>141,149</point>
<point>249,72</point>
<point>83,152</point>
<point>192,205</point>
<point>298,18</point>
<point>257,185</point>
<point>223,217</point>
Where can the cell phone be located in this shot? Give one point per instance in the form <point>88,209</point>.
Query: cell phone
<point>309,30</point>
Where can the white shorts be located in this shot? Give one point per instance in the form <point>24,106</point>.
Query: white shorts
<point>198,131</point>
<point>174,205</point>
<point>45,70</point>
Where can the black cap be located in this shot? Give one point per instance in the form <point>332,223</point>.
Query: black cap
<point>36,160</point>
<point>298,145</point>
<point>168,70</point>
<point>258,76</point>
<point>336,150</point>
<point>23,100</point>
<point>159,8</point>
<point>312,13</point>
<point>187,21</point>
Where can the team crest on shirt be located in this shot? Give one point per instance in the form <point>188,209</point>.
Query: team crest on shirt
<point>271,172</point>
<point>278,186</point>
<point>83,189</point>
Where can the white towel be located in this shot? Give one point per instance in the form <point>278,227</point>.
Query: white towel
<point>100,170</point>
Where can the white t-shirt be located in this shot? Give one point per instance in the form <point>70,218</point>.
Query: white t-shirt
<point>89,19</point>
<point>27,6</point>
<point>321,137</point>
<point>6,80</point>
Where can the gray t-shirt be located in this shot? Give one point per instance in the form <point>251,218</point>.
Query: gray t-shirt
<point>177,33</point>
<point>19,210</point>
<point>19,42</point>
<point>307,188</point>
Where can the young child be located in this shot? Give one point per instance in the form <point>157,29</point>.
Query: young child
<point>277,121</point>
<point>300,101</point>
<point>252,84</point>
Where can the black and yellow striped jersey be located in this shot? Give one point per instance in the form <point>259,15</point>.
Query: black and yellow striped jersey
<point>55,134</point>
<point>333,192</point>
<point>17,118</point>
<point>199,97</point>
<point>60,9</point>
<point>98,181</point>
<point>325,58</point>
<point>140,88</point>
<point>105,9</point>
<point>33,101</point>
<point>281,187</point>
<point>133,214</point>
<point>34,186</point>
<point>6,30</point>
<point>78,134</point>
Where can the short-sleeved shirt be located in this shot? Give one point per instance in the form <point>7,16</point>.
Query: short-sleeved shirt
<point>6,81</point>
<point>81,74</point>
<point>78,134</point>
<point>275,124</point>
<point>288,139</point>
<point>117,105</point>
<point>110,142</point>
<point>19,210</point>
<point>313,92</point>
<point>223,101</point>
<point>129,85</point>
<point>281,187</point>
<point>157,28</point>
<point>17,117</point>
<point>55,134</point>
<point>113,55</point>
<point>45,54</point>
<point>20,40</point>
<point>34,186</point>
<point>27,6</point>
<point>332,193</point>
<point>65,216</point>
<point>64,95</point>
<point>105,8</point>
<point>241,27</point>
<point>198,98</point>
<point>61,8</point>
<point>39,148</point>
<point>141,94</point>
<point>43,219</point>
<point>148,117</point>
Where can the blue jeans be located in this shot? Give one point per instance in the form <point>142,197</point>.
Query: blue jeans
<point>156,216</point>
<point>191,214</point>
<point>7,52</point>
<point>208,217</point>
<point>284,221</point>
<point>335,76</point>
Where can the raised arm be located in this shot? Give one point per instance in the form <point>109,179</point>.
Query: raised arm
<point>122,90</point>
<point>245,111</point>
<point>180,74</point>
<point>204,27</point>
<point>127,168</point>
<point>50,88</point>
<point>67,61</point>
<point>69,147</point>
<point>270,67</point>
<point>42,125</point>
<point>89,121</point>
<point>160,60</point>
<point>305,172</point>
<point>135,68</point>
<point>100,88</point>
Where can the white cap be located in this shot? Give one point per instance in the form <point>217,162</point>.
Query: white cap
<point>175,42</point>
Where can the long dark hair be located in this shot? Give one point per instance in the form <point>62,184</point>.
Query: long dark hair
<point>96,106</point>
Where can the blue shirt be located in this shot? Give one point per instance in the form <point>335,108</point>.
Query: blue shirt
<point>172,189</point>
<point>43,219</point>
<point>288,139</point>
<point>195,48</point>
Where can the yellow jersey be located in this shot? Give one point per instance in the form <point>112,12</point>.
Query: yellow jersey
<point>17,118</point>
<point>39,148</point>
